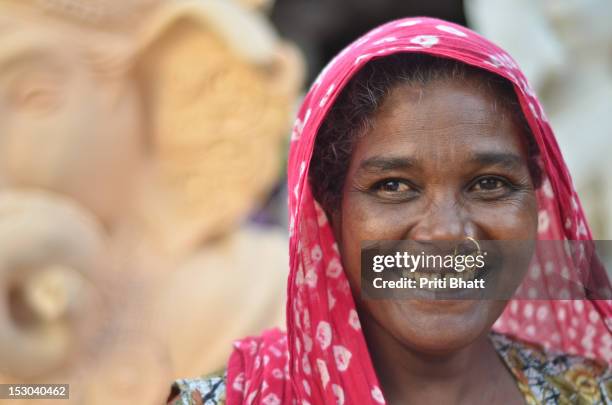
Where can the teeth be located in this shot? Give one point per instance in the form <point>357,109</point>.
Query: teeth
<point>469,275</point>
<point>465,275</point>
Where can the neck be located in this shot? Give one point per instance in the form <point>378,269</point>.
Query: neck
<point>408,376</point>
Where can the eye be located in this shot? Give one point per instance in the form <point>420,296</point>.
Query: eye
<point>392,186</point>
<point>39,97</point>
<point>491,185</point>
<point>37,93</point>
<point>396,189</point>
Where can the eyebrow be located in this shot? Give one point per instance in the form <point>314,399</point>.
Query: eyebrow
<point>17,56</point>
<point>506,160</point>
<point>378,163</point>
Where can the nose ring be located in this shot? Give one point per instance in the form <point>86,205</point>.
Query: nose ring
<point>475,242</point>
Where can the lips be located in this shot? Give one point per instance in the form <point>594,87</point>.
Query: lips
<point>453,272</point>
<point>439,291</point>
<point>433,274</point>
<point>445,272</point>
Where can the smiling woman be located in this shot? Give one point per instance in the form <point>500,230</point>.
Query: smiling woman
<point>432,150</point>
<point>423,131</point>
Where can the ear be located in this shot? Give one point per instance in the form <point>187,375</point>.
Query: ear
<point>219,90</point>
<point>246,32</point>
<point>260,5</point>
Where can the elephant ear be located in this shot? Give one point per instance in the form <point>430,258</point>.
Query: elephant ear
<point>219,90</point>
<point>261,5</point>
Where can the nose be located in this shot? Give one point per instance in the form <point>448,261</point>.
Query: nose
<point>442,222</point>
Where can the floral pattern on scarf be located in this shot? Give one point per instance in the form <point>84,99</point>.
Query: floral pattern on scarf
<point>544,378</point>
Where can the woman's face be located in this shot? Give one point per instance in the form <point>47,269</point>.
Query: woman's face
<point>440,162</point>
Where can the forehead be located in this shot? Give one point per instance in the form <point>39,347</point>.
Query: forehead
<point>462,114</point>
<point>29,38</point>
<point>23,35</point>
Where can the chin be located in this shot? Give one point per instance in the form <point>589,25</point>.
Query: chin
<point>437,327</point>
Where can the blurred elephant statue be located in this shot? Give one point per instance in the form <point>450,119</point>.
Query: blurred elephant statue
<point>136,137</point>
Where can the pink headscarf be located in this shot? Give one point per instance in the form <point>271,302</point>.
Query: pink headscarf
<point>323,358</point>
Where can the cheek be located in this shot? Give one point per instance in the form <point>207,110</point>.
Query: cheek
<point>365,218</point>
<point>514,225</point>
<point>513,220</point>
<point>362,220</point>
<point>108,131</point>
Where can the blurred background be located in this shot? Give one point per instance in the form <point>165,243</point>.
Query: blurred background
<point>142,160</point>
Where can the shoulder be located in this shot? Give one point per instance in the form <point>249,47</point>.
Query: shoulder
<point>209,390</point>
<point>552,377</point>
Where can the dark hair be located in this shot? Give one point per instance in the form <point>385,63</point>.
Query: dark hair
<point>351,115</point>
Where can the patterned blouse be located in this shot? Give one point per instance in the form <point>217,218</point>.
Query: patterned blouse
<point>543,378</point>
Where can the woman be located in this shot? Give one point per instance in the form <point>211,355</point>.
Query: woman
<point>422,130</point>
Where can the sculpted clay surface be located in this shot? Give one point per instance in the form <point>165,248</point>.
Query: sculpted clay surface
<point>135,138</point>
